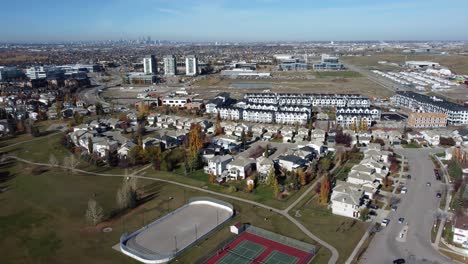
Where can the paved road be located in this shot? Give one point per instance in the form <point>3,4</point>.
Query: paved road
<point>418,206</point>
<point>284,213</point>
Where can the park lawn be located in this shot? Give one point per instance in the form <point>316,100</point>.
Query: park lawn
<point>341,232</point>
<point>411,145</point>
<point>42,217</point>
<point>262,194</point>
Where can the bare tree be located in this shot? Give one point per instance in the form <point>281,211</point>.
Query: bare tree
<point>126,195</point>
<point>70,163</point>
<point>53,160</point>
<point>94,213</point>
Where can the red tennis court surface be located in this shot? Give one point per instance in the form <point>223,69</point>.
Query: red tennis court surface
<point>248,248</point>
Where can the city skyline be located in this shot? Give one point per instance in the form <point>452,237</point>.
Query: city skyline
<point>240,21</point>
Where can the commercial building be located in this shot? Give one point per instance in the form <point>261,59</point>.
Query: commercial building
<point>421,64</point>
<point>150,65</point>
<point>42,72</point>
<point>294,64</point>
<point>427,120</point>
<point>170,65</point>
<point>10,73</point>
<point>191,65</point>
<point>140,78</point>
<point>457,115</point>
<point>328,62</point>
<point>244,72</point>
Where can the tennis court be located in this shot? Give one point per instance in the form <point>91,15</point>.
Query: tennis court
<point>277,257</point>
<point>258,246</point>
<point>243,253</point>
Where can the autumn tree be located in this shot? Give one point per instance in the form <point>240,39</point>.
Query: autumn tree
<point>212,177</point>
<point>126,195</point>
<point>325,190</point>
<point>53,160</point>
<point>301,176</point>
<point>218,127</point>
<point>275,187</point>
<point>271,177</point>
<point>94,212</point>
<point>195,144</point>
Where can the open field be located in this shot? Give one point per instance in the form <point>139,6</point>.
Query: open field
<point>457,63</point>
<point>341,232</point>
<point>42,219</point>
<point>327,84</point>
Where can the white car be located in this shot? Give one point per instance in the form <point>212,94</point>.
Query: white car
<point>404,190</point>
<point>385,222</point>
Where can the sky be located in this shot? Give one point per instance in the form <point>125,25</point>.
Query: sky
<point>233,20</point>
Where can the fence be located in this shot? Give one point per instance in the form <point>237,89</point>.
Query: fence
<point>281,239</point>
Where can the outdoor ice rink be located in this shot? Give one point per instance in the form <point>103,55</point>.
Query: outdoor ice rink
<point>171,234</point>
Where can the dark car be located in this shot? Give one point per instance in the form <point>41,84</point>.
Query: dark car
<point>438,195</point>
<point>399,261</point>
<point>374,206</point>
<point>409,177</point>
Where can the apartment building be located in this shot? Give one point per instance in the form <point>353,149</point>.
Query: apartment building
<point>374,112</point>
<point>457,115</point>
<point>427,120</point>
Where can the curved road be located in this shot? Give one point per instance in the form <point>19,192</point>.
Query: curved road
<point>284,213</point>
<point>419,207</point>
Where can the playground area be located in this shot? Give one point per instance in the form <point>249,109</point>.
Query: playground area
<point>257,245</point>
<point>165,238</point>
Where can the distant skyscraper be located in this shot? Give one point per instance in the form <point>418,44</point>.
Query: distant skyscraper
<point>170,65</point>
<point>149,64</point>
<point>191,65</point>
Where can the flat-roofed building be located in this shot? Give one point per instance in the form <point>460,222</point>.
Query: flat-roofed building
<point>191,65</point>
<point>427,120</point>
<point>170,65</point>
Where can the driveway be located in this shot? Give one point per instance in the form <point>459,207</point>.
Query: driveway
<point>418,206</point>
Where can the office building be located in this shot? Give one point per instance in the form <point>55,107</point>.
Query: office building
<point>150,64</point>
<point>42,72</point>
<point>170,65</point>
<point>9,73</point>
<point>191,65</point>
<point>328,62</point>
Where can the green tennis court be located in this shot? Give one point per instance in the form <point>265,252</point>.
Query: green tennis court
<point>277,257</point>
<point>243,253</point>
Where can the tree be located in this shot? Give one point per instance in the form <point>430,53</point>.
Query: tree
<point>90,145</point>
<point>195,144</point>
<point>243,138</point>
<point>218,128</point>
<point>70,163</point>
<point>271,177</point>
<point>94,212</point>
<point>342,138</point>
<point>364,214</point>
<point>275,187</point>
<point>126,195</point>
<point>301,176</point>
<point>212,177</point>
<point>325,190</point>
<point>53,160</point>
<point>324,165</point>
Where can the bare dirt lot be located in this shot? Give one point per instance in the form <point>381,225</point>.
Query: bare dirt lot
<point>303,82</point>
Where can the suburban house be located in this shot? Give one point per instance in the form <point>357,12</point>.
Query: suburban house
<point>104,145</point>
<point>264,166</point>
<point>291,162</point>
<point>240,168</point>
<point>347,199</point>
<point>125,148</point>
<point>218,164</point>
<point>432,137</point>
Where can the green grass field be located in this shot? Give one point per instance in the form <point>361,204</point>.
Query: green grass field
<point>341,232</point>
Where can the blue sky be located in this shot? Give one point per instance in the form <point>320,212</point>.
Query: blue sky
<point>234,20</point>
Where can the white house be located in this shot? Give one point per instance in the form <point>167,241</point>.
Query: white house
<point>264,166</point>
<point>218,164</point>
<point>125,148</point>
<point>432,137</point>
<point>346,200</point>
<point>240,168</point>
<point>291,162</point>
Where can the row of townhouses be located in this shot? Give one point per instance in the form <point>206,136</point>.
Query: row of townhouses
<point>351,196</point>
<point>308,100</point>
<point>457,115</point>
<point>356,116</point>
<point>263,116</point>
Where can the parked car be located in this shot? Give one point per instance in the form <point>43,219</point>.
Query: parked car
<point>438,195</point>
<point>409,177</point>
<point>385,222</point>
<point>399,261</point>
<point>428,184</point>
<point>394,207</point>
<point>404,190</point>
<point>401,220</point>
<point>373,206</point>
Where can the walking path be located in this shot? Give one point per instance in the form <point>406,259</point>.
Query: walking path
<point>333,259</point>
<point>447,204</point>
